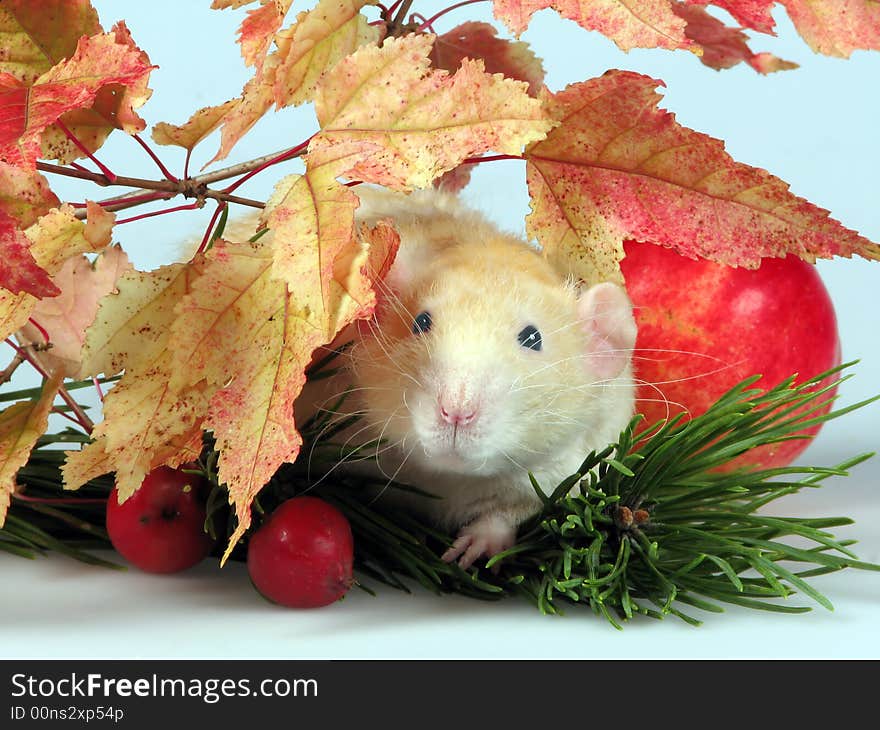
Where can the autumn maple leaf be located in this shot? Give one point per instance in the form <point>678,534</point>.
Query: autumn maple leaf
<point>147,417</point>
<point>64,318</point>
<point>839,28</point>
<point>753,14</point>
<point>74,83</point>
<point>406,124</point>
<point>629,23</point>
<point>20,426</point>
<point>618,167</point>
<point>19,272</point>
<point>724,47</point>
<point>316,40</point>
<point>513,59</point>
<point>54,238</point>
<point>835,29</point>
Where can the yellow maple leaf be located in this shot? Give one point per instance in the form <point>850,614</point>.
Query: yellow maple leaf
<point>319,39</point>
<point>149,417</point>
<point>65,317</point>
<point>312,222</point>
<point>255,335</point>
<point>312,44</point>
<point>132,324</point>
<point>54,238</point>
<point>195,129</point>
<point>414,122</point>
<point>20,426</point>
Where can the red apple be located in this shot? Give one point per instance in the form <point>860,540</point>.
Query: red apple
<point>704,327</point>
<point>302,555</point>
<point>161,527</point>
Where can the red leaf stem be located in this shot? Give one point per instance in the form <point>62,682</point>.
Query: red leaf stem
<point>98,388</point>
<point>57,500</point>
<point>154,158</point>
<point>427,23</point>
<point>108,173</point>
<point>57,410</point>
<point>40,329</point>
<point>81,418</point>
<point>489,158</point>
<point>286,155</point>
<point>152,214</point>
<point>207,237</point>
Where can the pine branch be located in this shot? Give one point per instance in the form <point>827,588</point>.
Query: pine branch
<point>646,526</point>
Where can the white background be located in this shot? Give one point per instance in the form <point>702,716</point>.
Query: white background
<point>816,127</point>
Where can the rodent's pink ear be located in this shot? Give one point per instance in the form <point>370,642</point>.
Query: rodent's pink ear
<point>606,315</point>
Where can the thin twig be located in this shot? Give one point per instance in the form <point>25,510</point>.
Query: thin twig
<point>399,19</point>
<point>189,187</point>
<point>29,353</point>
<point>8,371</point>
<point>281,157</point>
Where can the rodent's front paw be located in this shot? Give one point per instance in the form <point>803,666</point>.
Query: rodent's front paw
<point>487,536</point>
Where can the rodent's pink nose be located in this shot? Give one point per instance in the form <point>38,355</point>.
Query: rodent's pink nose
<point>460,415</point>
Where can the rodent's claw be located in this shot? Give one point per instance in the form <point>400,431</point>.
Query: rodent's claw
<point>486,536</point>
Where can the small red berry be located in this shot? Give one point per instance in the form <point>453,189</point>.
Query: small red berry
<point>161,527</point>
<point>302,555</point>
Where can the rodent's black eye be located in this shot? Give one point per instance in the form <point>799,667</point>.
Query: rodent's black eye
<point>422,323</point>
<point>530,337</point>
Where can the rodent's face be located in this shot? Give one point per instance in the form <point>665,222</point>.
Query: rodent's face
<point>480,366</point>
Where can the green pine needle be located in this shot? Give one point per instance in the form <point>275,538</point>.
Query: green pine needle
<point>647,526</point>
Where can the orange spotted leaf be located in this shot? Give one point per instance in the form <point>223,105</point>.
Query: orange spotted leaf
<point>257,30</point>
<point>619,167</point>
<point>413,123</point>
<point>37,35</point>
<point>113,108</point>
<point>629,23</point>
<point>19,272</point>
<point>149,419</point>
<point>24,194</point>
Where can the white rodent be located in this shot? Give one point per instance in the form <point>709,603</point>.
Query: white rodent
<point>482,364</point>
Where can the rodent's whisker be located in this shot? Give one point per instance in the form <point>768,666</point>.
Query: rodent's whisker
<point>394,475</point>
